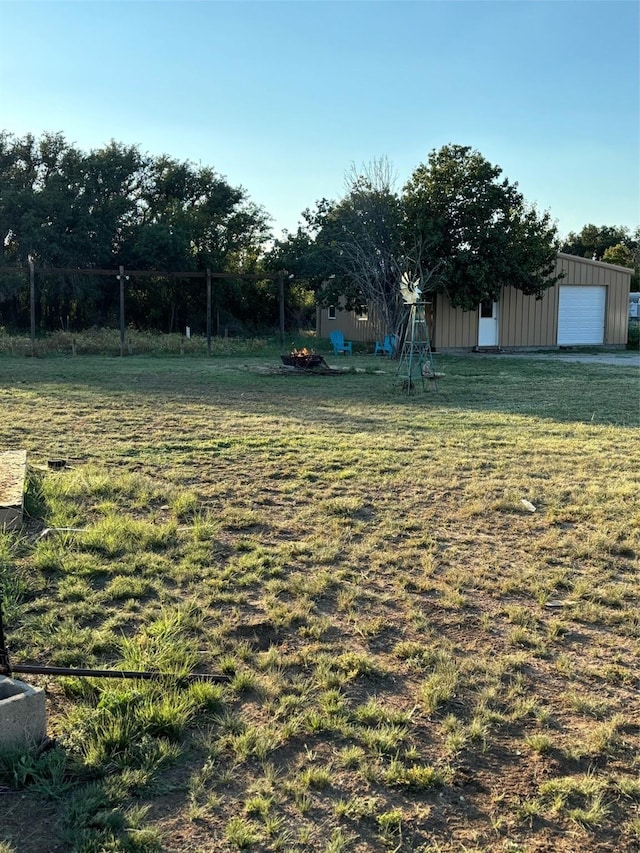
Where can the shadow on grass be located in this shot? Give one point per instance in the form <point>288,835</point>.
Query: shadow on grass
<point>358,401</point>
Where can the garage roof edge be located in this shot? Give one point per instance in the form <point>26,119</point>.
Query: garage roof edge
<point>566,256</point>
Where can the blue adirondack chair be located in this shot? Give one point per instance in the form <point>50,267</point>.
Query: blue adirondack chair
<point>339,343</point>
<point>387,346</point>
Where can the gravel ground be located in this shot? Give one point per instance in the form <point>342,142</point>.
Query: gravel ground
<point>622,358</point>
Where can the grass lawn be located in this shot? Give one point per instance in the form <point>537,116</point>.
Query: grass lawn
<point>417,661</point>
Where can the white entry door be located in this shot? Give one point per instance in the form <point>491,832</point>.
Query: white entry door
<point>488,324</point>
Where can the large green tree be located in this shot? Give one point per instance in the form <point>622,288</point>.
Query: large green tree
<point>62,208</point>
<point>114,205</point>
<point>592,241</point>
<point>475,229</point>
<point>305,257</point>
<point>355,252</point>
<point>619,254</point>
<point>612,244</point>
<point>360,245</point>
<point>457,227</point>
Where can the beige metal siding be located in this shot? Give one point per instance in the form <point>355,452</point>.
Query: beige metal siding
<point>366,331</point>
<point>524,321</point>
<point>454,328</point>
<point>617,314</point>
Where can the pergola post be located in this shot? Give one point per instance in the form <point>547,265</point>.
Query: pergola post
<point>122,326</point>
<point>208,311</point>
<point>32,301</point>
<point>281,300</point>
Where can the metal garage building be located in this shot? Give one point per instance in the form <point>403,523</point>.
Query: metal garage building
<point>588,307</point>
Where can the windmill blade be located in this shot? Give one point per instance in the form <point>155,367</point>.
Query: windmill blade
<point>409,289</point>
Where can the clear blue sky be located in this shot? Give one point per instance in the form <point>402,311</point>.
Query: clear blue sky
<point>281,97</point>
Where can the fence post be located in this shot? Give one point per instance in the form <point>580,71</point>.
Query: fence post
<point>208,311</point>
<point>121,277</point>
<point>281,299</point>
<point>32,299</point>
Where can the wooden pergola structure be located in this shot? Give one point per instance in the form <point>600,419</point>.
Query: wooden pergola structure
<point>122,275</point>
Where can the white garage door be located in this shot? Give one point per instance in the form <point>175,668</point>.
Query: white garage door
<point>581,315</point>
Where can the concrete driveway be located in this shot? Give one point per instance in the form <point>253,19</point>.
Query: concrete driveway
<point>621,358</point>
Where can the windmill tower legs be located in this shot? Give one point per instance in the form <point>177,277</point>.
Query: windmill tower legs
<point>416,358</point>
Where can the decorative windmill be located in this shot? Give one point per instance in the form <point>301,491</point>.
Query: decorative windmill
<point>409,289</point>
<point>416,358</point>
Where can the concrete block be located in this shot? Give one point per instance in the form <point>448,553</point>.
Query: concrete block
<point>23,714</point>
<point>13,470</point>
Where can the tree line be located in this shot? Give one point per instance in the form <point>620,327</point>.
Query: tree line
<point>65,208</point>
<point>457,226</point>
<point>611,244</point>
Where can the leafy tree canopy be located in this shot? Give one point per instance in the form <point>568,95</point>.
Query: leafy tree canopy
<point>619,254</point>
<point>593,241</point>
<point>612,244</point>
<point>457,226</point>
<point>115,205</point>
<point>351,251</point>
<point>475,228</point>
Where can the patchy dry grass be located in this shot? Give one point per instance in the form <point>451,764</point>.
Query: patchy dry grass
<point>417,661</point>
